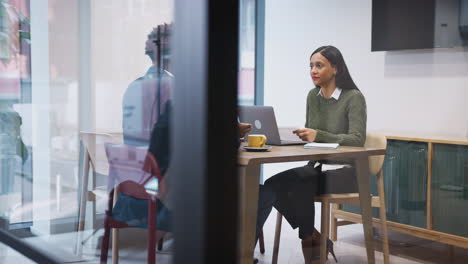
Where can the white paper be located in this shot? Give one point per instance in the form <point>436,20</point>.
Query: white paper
<point>328,167</point>
<point>286,133</point>
<point>321,145</point>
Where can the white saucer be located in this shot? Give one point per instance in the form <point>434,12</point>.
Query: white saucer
<point>253,149</point>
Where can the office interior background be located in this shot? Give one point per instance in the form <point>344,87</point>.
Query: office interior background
<point>65,66</point>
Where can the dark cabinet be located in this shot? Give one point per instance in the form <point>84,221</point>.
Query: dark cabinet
<point>449,189</point>
<point>405,179</point>
<point>426,189</point>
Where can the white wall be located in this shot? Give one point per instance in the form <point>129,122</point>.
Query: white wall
<point>420,91</point>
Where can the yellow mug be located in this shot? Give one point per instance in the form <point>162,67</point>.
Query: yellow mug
<point>257,141</point>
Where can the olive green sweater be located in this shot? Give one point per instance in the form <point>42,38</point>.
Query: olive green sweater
<point>338,121</point>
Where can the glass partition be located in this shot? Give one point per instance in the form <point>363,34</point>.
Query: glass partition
<point>246,92</point>
<point>75,76</point>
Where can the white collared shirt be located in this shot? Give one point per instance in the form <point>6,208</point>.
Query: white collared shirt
<point>325,167</point>
<point>336,94</point>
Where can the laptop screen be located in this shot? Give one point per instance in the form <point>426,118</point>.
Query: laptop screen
<point>263,121</point>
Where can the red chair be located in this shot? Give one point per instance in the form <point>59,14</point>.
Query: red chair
<point>129,169</point>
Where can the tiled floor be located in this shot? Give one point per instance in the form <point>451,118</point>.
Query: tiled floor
<point>349,248</point>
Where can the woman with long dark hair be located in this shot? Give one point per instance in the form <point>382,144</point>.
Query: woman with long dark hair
<point>336,113</point>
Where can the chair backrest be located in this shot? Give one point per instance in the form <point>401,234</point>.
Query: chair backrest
<point>375,140</point>
<point>93,144</point>
<point>132,167</point>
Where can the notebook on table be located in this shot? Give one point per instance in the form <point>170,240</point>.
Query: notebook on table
<point>322,145</point>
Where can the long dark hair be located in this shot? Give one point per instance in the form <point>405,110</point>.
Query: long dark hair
<point>343,79</point>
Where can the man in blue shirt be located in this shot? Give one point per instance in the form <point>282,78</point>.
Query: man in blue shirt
<point>145,98</point>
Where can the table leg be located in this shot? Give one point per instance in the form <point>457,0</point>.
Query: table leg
<point>249,177</point>
<point>362,171</point>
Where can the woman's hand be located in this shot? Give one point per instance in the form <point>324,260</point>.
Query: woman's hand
<point>244,128</point>
<point>306,134</point>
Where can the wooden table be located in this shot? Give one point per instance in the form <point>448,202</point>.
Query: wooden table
<point>249,172</point>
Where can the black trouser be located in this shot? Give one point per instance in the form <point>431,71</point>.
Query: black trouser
<point>294,191</point>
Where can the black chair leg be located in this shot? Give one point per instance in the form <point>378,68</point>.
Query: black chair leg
<point>261,243</point>
<point>105,244</point>
<point>160,244</point>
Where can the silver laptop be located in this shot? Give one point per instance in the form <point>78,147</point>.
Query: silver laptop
<point>263,121</point>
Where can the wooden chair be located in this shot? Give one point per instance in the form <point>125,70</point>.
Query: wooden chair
<point>373,140</point>
<point>130,168</point>
<point>94,159</point>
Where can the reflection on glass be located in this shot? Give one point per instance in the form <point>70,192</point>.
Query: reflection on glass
<point>143,160</point>
<point>146,98</point>
<point>94,85</point>
<point>246,93</point>
<point>15,155</point>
